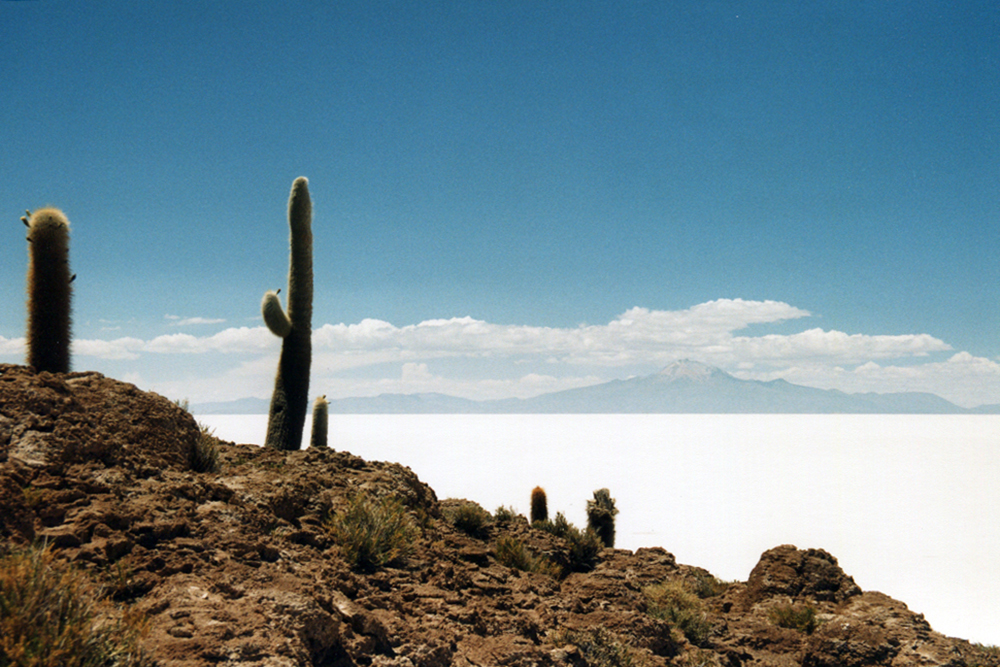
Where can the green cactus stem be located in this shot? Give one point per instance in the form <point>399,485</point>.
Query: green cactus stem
<point>539,505</point>
<point>49,290</point>
<point>320,423</point>
<point>290,399</point>
<point>601,513</point>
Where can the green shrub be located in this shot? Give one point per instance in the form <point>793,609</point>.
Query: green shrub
<point>511,552</point>
<point>794,616</point>
<point>471,519</point>
<point>600,647</point>
<point>52,616</point>
<point>373,533</point>
<point>584,545</point>
<point>672,602</point>
<point>708,586</point>
<point>504,514</point>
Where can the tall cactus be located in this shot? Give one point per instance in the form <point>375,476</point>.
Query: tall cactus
<point>290,399</point>
<point>601,513</point>
<point>320,427</point>
<point>49,290</point>
<point>539,505</point>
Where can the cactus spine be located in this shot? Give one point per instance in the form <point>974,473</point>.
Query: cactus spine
<point>49,290</point>
<point>601,516</point>
<point>320,423</point>
<point>539,505</point>
<point>290,399</point>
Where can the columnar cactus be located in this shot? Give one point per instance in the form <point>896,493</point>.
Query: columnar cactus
<point>601,516</point>
<point>320,423</point>
<point>539,505</point>
<point>49,290</point>
<point>290,399</point>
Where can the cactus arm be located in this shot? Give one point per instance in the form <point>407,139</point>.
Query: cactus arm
<point>274,316</point>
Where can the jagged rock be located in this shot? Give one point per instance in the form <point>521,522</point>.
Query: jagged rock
<point>237,567</point>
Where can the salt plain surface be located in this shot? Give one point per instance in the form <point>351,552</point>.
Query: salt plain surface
<point>909,504</point>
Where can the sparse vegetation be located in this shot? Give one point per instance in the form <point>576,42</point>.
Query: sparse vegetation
<point>373,533</point>
<point>205,454</point>
<point>584,545</point>
<point>708,586</point>
<point>600,647</point>
<point>52,616</point>
<point>512,552</point>
<point>800,617</point>
<point>671,601</point>
<point>471,519</point>
<point>504,514</point>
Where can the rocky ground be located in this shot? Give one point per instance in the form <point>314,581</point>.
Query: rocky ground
<point>237,565</point>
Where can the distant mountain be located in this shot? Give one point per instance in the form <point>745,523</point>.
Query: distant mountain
<point>682,387</point>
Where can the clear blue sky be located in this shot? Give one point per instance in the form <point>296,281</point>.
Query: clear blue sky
<point>781,189</point>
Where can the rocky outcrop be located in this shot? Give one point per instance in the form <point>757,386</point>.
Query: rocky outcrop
<point>238,567</point>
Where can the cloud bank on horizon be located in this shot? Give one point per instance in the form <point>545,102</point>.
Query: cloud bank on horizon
<point>374,356</point>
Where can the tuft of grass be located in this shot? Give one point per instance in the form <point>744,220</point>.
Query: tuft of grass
<point>51,615</point>
<point>600,647</point>
<point>373,533</point>
<point>709,586</point>
<point>511,552</point>
<point>471,519</point>
<point>800,617</point>
<point>205,455</point>
<point>672,602</point>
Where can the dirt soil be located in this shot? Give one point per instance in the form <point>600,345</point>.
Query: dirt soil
<point>237,566</point>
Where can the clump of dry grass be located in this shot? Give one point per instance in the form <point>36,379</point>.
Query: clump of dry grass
<point>51,615</point>
<point>373,533</point>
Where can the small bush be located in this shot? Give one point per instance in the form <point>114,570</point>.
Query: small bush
<point>796,617</point>
<point>52,616</point>
<point>471,519</point>
<point>600,647</point>
<point>504,514</point>
<point>584,545</point>
<point>672,602</point>
<point>708,586</point>
<point>373,533</point>
<point>511,552</point>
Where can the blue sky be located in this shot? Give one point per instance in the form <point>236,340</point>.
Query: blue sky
<point>515,197</point>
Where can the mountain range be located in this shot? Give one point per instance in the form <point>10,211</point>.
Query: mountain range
<point>683,387</point>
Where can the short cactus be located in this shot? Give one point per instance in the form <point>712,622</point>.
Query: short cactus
<point>320,423</point>
<point>290,400</point>
<point>49,290</point>
<point>539,505</point>
<point>601,516</point>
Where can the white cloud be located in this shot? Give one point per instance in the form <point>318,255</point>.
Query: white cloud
<point>639,340</point>
<point>178,321</point>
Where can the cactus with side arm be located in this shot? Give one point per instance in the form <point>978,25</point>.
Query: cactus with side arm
<point>601,513</point>
<point>290,400</point>
<point>49,290</point>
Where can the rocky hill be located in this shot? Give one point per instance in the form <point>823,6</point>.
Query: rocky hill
<point>238,561</point>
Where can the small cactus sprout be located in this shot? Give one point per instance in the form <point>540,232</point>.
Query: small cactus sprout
<point>290,400</point>
<point>539,505</point>
<point>49,290</point>
<point>601,516</point>
<point>320,423</point>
